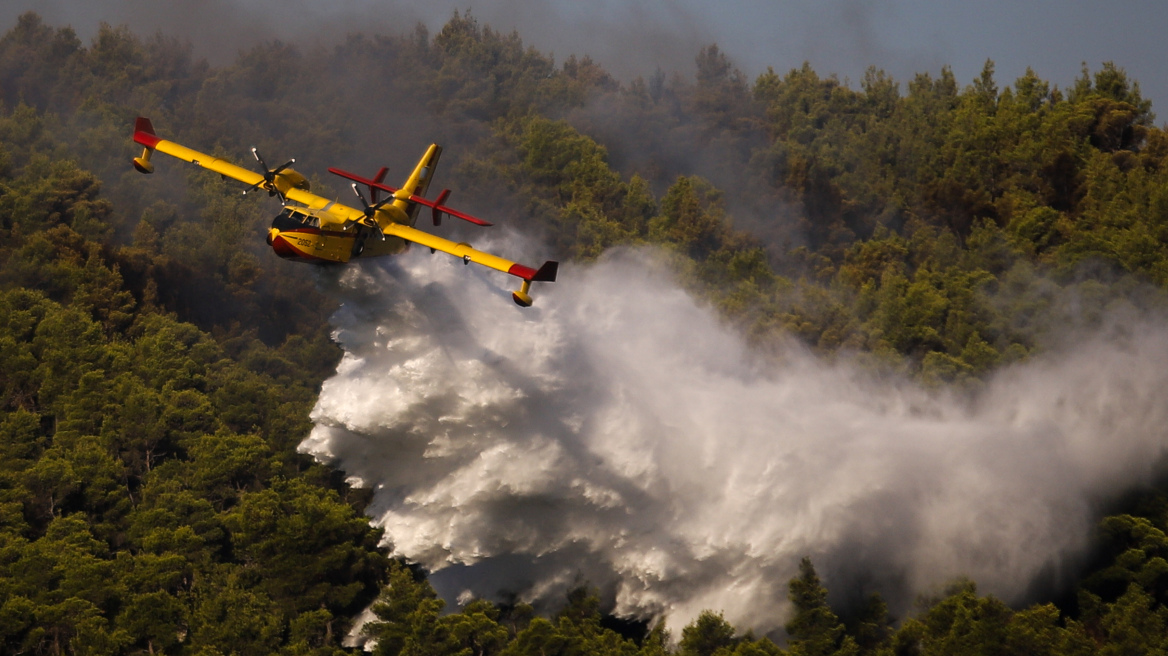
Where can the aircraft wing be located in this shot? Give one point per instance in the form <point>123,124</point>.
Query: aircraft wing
<point>546,273</point>
<point>145,136</point>
<point>464,251</point>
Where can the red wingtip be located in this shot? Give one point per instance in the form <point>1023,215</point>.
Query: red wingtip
<point>144,132</point>
<point>546,273</point>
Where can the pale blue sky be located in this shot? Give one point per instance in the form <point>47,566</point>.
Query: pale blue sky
<point>632,38</point>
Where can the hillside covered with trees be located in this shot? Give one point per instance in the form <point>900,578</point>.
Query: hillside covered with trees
<point>157,363</point>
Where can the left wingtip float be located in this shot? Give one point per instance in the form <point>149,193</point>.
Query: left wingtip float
<point>314,229</point>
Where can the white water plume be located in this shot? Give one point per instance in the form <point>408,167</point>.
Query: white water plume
<point>617,433</point>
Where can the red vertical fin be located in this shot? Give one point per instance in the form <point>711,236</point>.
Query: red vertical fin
<point>374,191</point>
<point>436,208</point>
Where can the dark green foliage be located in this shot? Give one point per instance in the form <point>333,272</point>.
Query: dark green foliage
<point>708,635</point>
<point>133,518</point>
<point>157,363</point>
<point>150,494</point>
<point>814,630</point>
<point>961,622</point>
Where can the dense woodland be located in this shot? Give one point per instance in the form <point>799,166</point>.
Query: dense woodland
<point>157,362</point>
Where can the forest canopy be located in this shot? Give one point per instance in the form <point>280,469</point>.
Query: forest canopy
<point>157,364</point>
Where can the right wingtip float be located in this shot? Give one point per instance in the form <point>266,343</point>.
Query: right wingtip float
<point>317,230</point>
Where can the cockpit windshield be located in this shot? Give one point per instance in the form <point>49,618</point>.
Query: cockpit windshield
<point>292,218</point>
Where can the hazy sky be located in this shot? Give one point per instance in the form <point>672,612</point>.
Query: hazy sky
<point>632,38</point>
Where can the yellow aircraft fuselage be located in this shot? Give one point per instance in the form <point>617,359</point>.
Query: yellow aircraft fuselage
<point>299,235</point>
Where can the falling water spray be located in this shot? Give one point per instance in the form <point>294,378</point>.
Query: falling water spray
<point>619,433</point>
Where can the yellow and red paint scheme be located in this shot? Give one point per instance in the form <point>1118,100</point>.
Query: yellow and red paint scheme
<point>319,231</point>
<point>297,235</point>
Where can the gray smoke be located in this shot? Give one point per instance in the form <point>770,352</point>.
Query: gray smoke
<point>618,433</point>
<point>631,38</point>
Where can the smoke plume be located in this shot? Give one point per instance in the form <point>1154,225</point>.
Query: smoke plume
<point>632,39</point>
<point>617,433</point>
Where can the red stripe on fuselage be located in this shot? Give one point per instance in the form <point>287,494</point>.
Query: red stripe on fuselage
<point>318,231</point>
<point>289,252</point>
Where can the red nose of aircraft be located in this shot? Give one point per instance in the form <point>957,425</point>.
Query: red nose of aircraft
<point>281,245</point>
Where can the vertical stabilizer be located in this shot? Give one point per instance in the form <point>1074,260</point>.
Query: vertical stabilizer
<point>419,180</point>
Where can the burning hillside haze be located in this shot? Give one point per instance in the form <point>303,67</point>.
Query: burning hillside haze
<point>633,39</point>
<point>618,433</point>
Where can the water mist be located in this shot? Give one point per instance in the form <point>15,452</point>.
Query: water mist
<point>618,433</point>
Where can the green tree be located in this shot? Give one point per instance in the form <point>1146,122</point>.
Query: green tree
<point>814,630</point>
<point>707,635</point>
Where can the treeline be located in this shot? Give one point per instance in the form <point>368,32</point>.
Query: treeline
<point>158,364</point>
<point>958,621</point>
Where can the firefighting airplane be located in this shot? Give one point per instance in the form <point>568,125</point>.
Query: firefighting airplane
<point>321,231</point>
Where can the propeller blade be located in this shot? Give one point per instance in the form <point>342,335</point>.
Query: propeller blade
<point>370,219</point>
<point>269,181</point>
<point>359,195</point>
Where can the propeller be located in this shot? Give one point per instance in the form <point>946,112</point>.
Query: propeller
<point>371,210</point>
<point>269,181</point>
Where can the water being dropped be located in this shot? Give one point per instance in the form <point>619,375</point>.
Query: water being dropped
<point>618,433</point>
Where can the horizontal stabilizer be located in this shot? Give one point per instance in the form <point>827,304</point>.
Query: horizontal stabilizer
<point>437,206</point>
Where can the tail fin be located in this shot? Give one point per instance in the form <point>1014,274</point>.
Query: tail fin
<point>419,180</point>
<point>434,211</point>
<point>374,191</point>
